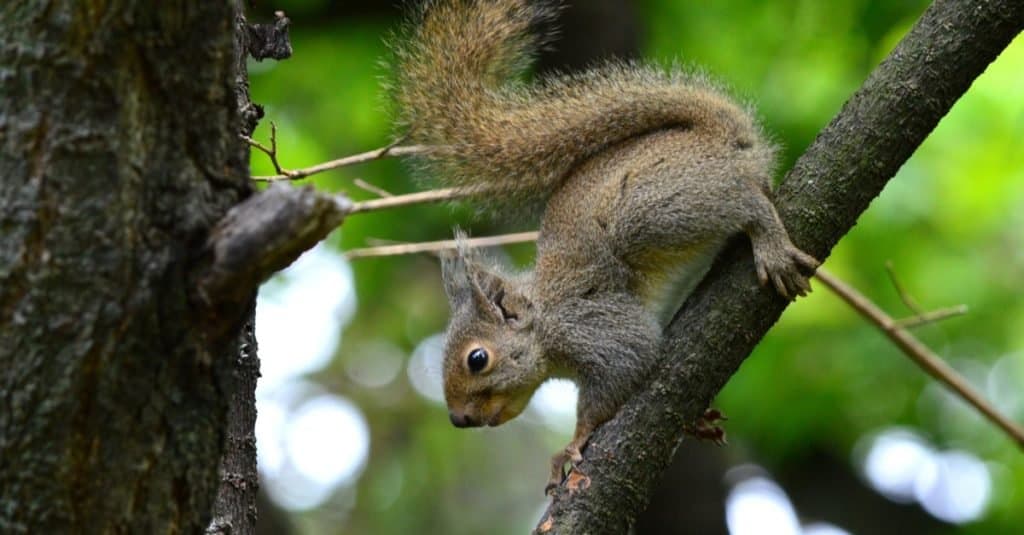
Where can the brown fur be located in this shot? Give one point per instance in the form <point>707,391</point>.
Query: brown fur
<point>645,173</point>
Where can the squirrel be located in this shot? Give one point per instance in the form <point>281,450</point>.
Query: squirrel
<point>643,173</point>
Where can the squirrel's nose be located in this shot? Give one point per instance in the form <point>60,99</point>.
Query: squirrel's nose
<point>461,419</point>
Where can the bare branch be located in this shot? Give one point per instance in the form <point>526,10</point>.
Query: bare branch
<point>422,197</point>
<point>904,295</point>
<point>378,191</point>
<point>271,151</point>
<point>376,154</point>
<point>437,246</point>
<point>931,317</point>
<point>920,317</point>
<point>920,354</point>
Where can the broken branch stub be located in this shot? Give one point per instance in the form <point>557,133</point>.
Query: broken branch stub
<point>263,235</point>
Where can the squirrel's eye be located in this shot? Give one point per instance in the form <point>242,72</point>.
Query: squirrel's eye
<point>477,360</point>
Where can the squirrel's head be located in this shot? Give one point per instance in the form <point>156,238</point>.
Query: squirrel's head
<point>492,362</point>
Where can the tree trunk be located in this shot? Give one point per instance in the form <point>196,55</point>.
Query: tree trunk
<point>118,153</point>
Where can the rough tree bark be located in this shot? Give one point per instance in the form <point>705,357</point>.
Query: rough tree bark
<point>125,336</point>
<point>820,200</point>
<point>118,153</point>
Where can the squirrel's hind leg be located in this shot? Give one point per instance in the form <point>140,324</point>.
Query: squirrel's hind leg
<point>571,453</point>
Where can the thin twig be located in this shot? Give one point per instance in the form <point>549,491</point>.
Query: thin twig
<point>920,317</point>
<point>437,246</point>
<point>271,152</point>
<point>376,154</point>
<point>437,195</point>
<point>931,317</point>
<point>920,354</point>
<point>378,191</point>
<point>377,242</point>
<point>257,145</point>
<point>904,295</point>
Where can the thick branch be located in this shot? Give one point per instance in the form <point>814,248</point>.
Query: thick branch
<point>820,200</point>
<point>263,235</point>
<point>269,230</point>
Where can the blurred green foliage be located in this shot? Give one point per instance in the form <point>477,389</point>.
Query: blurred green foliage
<point>952,224</point>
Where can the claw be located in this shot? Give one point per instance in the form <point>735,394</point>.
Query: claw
<point>783,266</point>
<point>762,274</point>
<point>780,285</point>
<point>558,461</point>
<point>577,480</point>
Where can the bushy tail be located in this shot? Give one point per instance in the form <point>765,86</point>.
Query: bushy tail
<point>459,86</point>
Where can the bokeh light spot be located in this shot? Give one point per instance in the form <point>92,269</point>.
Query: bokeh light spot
<point>955,488</point>
<point>375,364</point>
<point>425,368</point>
<point>823,528</point>
<point>328,440</point>
<point>300,314</point>
<point>758,506</point>
<point>893,462</point>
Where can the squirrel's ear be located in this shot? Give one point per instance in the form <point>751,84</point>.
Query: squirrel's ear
<point>516,309</point>
<point>497,297</point>
<point>462,284</point>
<point>490,295</point>
<point>457,284</point>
